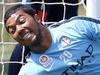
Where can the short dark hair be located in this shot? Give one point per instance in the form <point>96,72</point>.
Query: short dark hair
<point>27,9</point>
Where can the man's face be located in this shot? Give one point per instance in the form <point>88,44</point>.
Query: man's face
<point>23,28</point>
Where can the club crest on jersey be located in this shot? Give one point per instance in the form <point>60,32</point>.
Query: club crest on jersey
<point>64,41</point>
<point>45,60</point>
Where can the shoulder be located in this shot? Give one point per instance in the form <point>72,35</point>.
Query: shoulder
<point>57,24</point>
<point>84,18</point>
<point>75,19</point>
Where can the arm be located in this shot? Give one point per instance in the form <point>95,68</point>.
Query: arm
<point>14,68</point>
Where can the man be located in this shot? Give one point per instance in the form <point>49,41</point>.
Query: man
<point>49,15</point>
<point>69,47</point>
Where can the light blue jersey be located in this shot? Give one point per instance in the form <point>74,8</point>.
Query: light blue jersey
<point>75,50</point>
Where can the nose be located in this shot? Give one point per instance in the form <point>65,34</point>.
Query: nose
<point>20,30</point>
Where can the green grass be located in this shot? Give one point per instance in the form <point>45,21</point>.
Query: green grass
<point>7,49</point>
<point>5,69</point>
<point>81,11</point>
<point>7,53</point>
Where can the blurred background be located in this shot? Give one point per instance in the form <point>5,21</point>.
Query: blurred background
<point>6,42</point>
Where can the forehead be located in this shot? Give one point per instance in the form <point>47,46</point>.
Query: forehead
<point>18,13</point>
<point>15,16</point>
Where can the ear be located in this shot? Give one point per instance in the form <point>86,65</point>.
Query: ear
<point>37,18</point>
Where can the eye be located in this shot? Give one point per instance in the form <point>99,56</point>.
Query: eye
<point>11,30</point>
<point>21,20</point>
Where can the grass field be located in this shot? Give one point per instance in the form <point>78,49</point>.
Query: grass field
<point>6,38</point>
<point>5,50</point>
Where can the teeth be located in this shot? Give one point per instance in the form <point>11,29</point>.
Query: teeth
<point>33,37</point>
<point>26,36</point>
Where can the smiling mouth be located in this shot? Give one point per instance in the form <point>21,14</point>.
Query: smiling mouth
<point>27,35</point>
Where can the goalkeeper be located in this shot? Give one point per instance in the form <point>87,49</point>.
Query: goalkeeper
<point>50,15</point>
<point>69,47</point>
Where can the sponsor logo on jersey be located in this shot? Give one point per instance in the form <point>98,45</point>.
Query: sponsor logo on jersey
<point>45,60</point>
<point>64,41</point>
